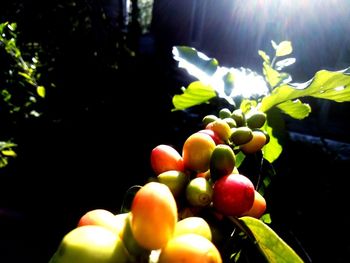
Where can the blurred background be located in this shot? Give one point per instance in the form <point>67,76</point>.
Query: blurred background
<point>109,77</point>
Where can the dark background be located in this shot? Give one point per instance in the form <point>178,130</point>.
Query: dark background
<point>108,109</point>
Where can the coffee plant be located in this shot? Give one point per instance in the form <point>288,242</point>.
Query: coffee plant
<point>200,204</point>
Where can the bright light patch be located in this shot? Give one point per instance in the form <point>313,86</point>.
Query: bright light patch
<point>191,68</point>
<point>194,71</point>
<point>246,83</point>
<point>339,88</point>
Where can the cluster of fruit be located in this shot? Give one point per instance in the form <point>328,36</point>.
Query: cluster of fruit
<point>242,130</point>
<point>205,175</point>
<point>149,232</point>
<point>164,223</point>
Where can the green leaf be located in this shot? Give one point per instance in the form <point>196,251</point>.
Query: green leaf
<point>6,145</point>
<point>196,63</point>
<point>296,109</point>
<point>6,95</point>
<point>266,182</point>
<point>267,172</point>
<point>264,56</point>
<point>272,150</point>
<point>240,156</point>
<point>284,63</point>
<point>41,91</point>
<point>274,45</point>
<point>332,85</point>
<point>283,49</point>
<point>10,153</point>
<point>246,105</point>
<point>2,26</point>
<point>274,248</point>
<point>266,218</point>
<point>26,76</point>
<point>272,76</point>
<point>3,161</point>
<point>195,94</point>
<point>12,26</point>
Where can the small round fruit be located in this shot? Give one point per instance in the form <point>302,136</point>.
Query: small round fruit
<point>255,119</point>
<point>196,152</point>
<point>239,117</point>
<point>255,144</point>
<point>267,135</point>
<point>208,119</point>
<point>231,122</point>
<point>213,135</point>
<point>165,158</point>
<point>190,248</point>
<point>154,215</point>
<point>194,225</point>
<point>224,113</point>
<point>175,180</point>
<point>258,208</point>
<point>91,244</point>
<point>241,135</point>
<point>222,161</point>
<point>221,128</point>
<point>233,195</point>
<point>199,192</point>
<point>100,217</point>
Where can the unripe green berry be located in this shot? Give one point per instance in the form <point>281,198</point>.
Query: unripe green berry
<point>231,122</point>
<point>239,117</point>
<point>241,135</point>
<point>199,192</point>
<point>224,113</point>
<point>255,119</point>
<point>208,119</point>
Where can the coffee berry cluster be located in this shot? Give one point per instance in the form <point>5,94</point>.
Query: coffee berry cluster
<point>242,131</point>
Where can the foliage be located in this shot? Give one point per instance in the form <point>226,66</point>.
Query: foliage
<point>22,73</point>
<point>271,245</point>
<point>271,92</point>
<point>19,84</point>
<point>272,89</point>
